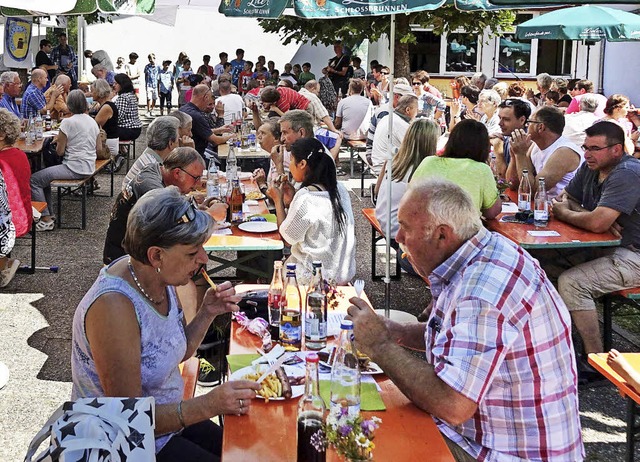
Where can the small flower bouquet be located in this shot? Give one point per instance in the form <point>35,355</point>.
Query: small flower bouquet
<point>502,185</point>
<point>351,437</point>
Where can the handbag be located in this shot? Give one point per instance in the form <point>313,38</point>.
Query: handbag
<point>106,153</point>
<point>98,429</point>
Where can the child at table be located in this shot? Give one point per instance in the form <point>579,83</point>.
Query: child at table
<point>616,361</point>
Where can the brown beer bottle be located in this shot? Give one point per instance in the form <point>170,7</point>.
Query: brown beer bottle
<point>234,212</point>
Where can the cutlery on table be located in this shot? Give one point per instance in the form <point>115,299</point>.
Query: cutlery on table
<point>359,286</point>
<point>273,367</point>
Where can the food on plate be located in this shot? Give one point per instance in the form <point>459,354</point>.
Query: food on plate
<point>275,385</point>
<point>254,195</point>
<point>284,380</point>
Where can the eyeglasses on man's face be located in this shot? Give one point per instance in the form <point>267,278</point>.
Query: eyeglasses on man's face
<point>195,178</point>
<point>586,148</point>
<point>416,83</point>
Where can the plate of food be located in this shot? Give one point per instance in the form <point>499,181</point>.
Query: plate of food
<point>254,196</point>
<point>367,367</point>
<point>286,382</point>
<point>258,226</point>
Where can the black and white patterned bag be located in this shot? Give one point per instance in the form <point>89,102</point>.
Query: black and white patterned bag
<point>98,430</point>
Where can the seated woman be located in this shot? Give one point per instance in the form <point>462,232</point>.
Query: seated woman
<point>8,266</point>
<point>268,136</point>
<point>319,224</point>
<point>129,123</point>
<point>79,142</point>
<point>420,141</point>
<point>465,163</point>
<point>107,115</point>
<point>185,134</point>
<point>616,111</point>
<point>16,170</point>
<point>488,103</point>
<point>129,334</point>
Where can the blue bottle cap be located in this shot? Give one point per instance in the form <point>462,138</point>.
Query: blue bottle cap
<point>291,266</point>
<point>346,324</point>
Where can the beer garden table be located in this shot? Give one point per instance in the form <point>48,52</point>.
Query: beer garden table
<point>33,152</point>
<point>254,244</point>
<point>268,432</point>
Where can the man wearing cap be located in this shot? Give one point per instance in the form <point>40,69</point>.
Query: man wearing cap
<point>399,91</point>
<point>99,57</point>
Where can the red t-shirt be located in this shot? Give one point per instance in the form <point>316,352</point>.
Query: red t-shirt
<point>243,81</point>
<point>16,171</point>
<point>291,99</point>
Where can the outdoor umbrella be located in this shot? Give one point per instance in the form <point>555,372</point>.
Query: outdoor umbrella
<point>589,23</point>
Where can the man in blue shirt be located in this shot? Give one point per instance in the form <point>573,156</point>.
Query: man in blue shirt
<point>33,100</point>
<point>12,85</point>
<point>237,65</point>
<point>65,58</point>
<point>151,73</point>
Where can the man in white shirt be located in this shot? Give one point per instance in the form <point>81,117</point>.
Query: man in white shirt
<point>578,122</point>
<point>352,116</point>
<point>133,71</point>
<point>233,103</point>
<point>315,107</point>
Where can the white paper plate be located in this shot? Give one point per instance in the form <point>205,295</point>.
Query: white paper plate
<point>258,226</point>
<point>291,371</point>
<point>372,368</point>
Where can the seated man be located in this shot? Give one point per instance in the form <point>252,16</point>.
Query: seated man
<point>602,195</point>
<point>499,377</point>
<point>233,103</point>
<point>354,112</point>
<point>33,100</point>
<point>100,71</point>
<point>201,102</point>
<point>544,152</point>
<point>576,123</point>
<point>60,108</point>
<point>311,90</point>
<point>513,114</point>
<point>585,87</point>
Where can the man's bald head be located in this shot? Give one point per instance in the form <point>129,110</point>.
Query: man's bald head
<point>39,78</point>
<point>201,96</point>
<point>63,80</point>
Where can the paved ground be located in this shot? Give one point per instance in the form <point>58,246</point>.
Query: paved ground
<point>36,313</point>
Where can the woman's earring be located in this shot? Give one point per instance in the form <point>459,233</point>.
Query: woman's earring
<point>158,269</point>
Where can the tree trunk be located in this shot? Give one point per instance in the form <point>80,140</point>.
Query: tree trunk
<point>401,57</point>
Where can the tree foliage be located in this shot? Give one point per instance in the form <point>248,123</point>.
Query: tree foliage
<point>353,30</point>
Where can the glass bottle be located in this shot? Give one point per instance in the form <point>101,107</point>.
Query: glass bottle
<point>315,318</point>
<point>31,135</point>
<point>213,187</point>
<point>48,125</point>
<point>290,322</point>
<point>493,163</point>
<point>311,410</point>
<point>524,192</point>
<point>232,162</point>
<point>541,206</point>
<point>39,126</point>
<point>273,300</point>
<point>234,201</point>
<point>345,374</point>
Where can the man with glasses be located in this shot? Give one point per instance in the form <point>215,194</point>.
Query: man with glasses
<point>513,114</point>
<point>585,87</point>
<point>603,195</point>
<point>430,102</point>
<point>12,85</point>
<point>544,152</point>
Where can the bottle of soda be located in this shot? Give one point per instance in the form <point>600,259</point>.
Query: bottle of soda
<point>232,162</point>
<point>273,300</point>
<point>290,322</point>
<point>311,410</point>
<point>48,124</point>
<point>524,192</point>
<point>345,374</point>
<point>213,187</point>
<point>234,212</point>
<point>541,206</point>
<point>315,318</point>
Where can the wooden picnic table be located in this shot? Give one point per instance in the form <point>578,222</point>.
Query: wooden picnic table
<point>268,432</point>
<point>569,236</point>
<point>251,244</point>
<point>599,361</point>
<point>259,153</point>
<point>33,152</point>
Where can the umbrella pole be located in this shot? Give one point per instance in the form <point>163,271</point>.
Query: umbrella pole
<point>586,72</point>
<point>387,271</point>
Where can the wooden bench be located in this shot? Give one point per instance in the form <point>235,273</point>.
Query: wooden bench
<point>377,235</point>
<point>84,186</point>
<point>355,147</point>
<point>189,370</point>
<point>610,304</point>
<point>127,150</point>
<point>366,168</point>
<point>30,269</point>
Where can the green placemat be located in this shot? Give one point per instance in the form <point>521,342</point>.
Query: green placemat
<point>270,217</point>
<point>370,399</point>
<point>237,362</point>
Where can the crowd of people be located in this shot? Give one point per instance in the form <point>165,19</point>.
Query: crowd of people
<point>500,362</point>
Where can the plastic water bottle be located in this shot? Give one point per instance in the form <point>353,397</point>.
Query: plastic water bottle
<point>39,126</point>
<point>273,301</point>
<point>345,375</point>
<point>541,206</point>
<point>315,318</point>
<point>290,312</point>
<point>31,134</point>
<point>213,188</point>
<point>524,192</point>
<point>232,163</point>
<point>493,163</point>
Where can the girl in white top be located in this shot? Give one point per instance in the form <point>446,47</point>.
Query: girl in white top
<point>319,224</point>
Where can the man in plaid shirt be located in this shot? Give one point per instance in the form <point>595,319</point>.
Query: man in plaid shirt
<point>33,100</point>
<point>500,378</point>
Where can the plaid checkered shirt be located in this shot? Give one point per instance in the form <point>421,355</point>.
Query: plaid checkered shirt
<point>33,101</point>
<point>500,335</point>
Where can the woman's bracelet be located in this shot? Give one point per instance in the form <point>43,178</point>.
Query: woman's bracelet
<point>180,416</point>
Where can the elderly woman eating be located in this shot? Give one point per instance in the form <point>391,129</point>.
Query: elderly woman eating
<point>129,333</point>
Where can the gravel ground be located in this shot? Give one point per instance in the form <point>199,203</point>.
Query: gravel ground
<point>36,314</point>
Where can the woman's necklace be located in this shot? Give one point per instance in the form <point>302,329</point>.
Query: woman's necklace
<point>144,292</point>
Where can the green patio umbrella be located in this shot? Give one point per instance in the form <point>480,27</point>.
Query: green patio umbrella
<point>528,4</point>
<point>588,22</point>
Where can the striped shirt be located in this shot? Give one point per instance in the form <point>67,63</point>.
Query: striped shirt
<point>290,99</point>
<point>500,335</point>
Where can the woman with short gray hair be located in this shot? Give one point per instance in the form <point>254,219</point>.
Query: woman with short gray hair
<point>107,115</point>
<point>78,142</point>
<point>129,333</point>
<point>184,130</point>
